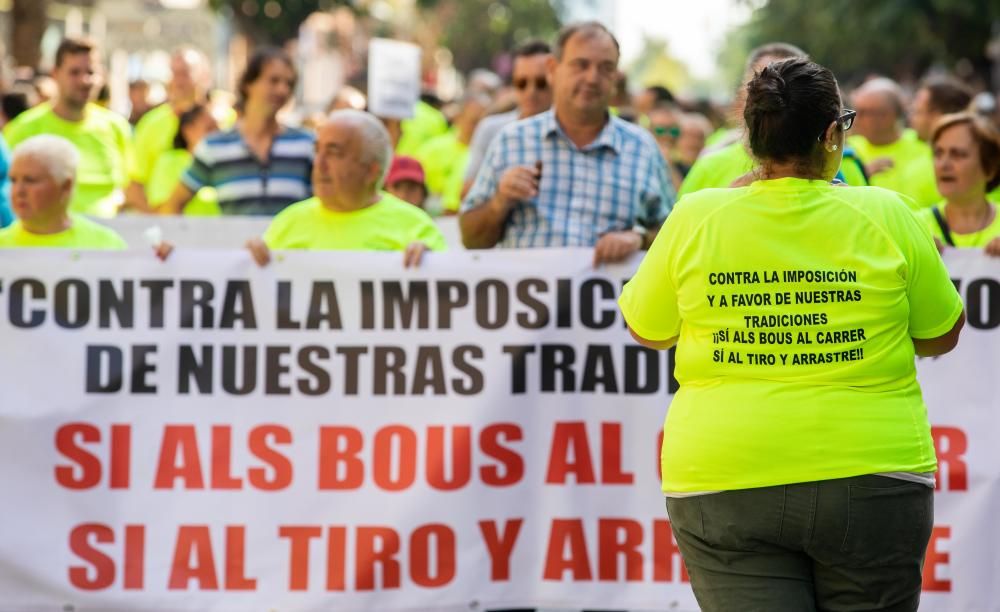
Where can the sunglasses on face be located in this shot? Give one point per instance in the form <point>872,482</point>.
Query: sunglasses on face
<point>673,131</point>
<point>540,83</point>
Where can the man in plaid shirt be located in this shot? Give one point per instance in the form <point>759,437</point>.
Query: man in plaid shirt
<point>574,175</point>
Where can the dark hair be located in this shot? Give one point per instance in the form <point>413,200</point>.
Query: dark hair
<point>777,50</point>
<point>73,46</point>
<point>661,95</point>
<point>13,103</point>
<point>532,47</point>
<point>987,138</point>
<point>789,105</point>
<point>260,58</point>
<point>187,118</point>
<point>947,94</point>
<point>587,28</point>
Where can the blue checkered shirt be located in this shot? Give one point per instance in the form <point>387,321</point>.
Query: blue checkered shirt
<point>614,183</point>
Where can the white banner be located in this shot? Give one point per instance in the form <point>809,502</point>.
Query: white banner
<point>335,433</point>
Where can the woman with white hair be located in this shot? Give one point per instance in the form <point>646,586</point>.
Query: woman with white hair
<point>42,179</point>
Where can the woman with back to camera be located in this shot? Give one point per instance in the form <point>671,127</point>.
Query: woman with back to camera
<point>966,166</point>
<point>797,457</point>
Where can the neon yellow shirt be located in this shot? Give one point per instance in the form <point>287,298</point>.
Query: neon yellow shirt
<point>912,173</point>
<point>387,225</point>
<point>717,169</point>
<point>444,159</point>
<point>166,175</point>
<point>426,123</point>
<point>154,136</point>
<point>722,167</point>
<point>104,140</point>
<point>795,302</point>
<point>974,240</point>
<point>994,196</point>
<point>82,234</point>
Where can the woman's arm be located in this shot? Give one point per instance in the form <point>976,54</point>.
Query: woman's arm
<point>660,345</point>
<point>174,205</point>
<point>931,347</point>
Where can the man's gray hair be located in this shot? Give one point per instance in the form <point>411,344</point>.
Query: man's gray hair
<point>58,155</point>
<point>888,89</point>
<point>376,145</point>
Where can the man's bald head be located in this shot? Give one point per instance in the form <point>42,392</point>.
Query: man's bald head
<point>190,76</point>
<point>881,109</point>
<point>375,144</point>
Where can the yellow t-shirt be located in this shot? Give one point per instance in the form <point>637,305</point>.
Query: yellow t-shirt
<point>974,240</point>
<point>82,234</point>
<point>795,303</point>
<point>912,173</point>
<point>444,159</point>
<point>720,168</point>
<point>166,175</point>
<point>717,169</point>
<point>154,136</point>
<point>426,123</point>
<point>104,140</point>
<point>387,225</point>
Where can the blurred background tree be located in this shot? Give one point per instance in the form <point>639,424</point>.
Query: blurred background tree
<point>898,38</point>
<point>270,22</point>
<point>656,66</point>
<point>478,31</point>
<point>28,24</point>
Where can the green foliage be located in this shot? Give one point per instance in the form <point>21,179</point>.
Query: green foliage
<point>899,38</point>
<point>656,66</point>
<point>479,30</point>
<point>271,21</point>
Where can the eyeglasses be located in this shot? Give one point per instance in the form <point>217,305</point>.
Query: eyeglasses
<point>845,121</point>
<point>540,83</point>
<point>674,131</point>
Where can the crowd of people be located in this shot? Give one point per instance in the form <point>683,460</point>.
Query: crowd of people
<point>561,154</point>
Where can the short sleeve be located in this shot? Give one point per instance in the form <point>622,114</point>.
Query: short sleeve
<point>429,234</point>
<point>487,179</point>
<point>199,173</point>
<point>276,234</point>
<point>935,304</point>
<point>649,300</point>
<point>658,196</point>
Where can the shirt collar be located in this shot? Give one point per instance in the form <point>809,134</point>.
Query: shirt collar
<point>609,137</point>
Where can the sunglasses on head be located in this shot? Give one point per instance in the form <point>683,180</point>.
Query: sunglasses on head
<point>674,131</point>
<point>540,83</point>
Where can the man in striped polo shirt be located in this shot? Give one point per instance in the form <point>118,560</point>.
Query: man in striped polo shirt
<point>260,166</point>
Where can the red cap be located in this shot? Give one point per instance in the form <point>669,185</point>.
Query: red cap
<point>404,168</point>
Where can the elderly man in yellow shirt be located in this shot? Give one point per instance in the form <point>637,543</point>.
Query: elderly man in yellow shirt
<point>348,211</point>
<point>894,157</point>
<point>42,174</point>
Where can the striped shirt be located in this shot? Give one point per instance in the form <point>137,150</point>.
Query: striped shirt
<point>615,183</point>
<point>246,185</point>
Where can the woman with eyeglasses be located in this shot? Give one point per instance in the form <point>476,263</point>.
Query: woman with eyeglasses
<point>966,167</point>
<point>797,458</point>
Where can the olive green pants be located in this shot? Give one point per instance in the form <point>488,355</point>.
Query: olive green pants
<point>848,544</point>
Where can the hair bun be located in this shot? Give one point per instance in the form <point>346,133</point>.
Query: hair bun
<point>767,91</point>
